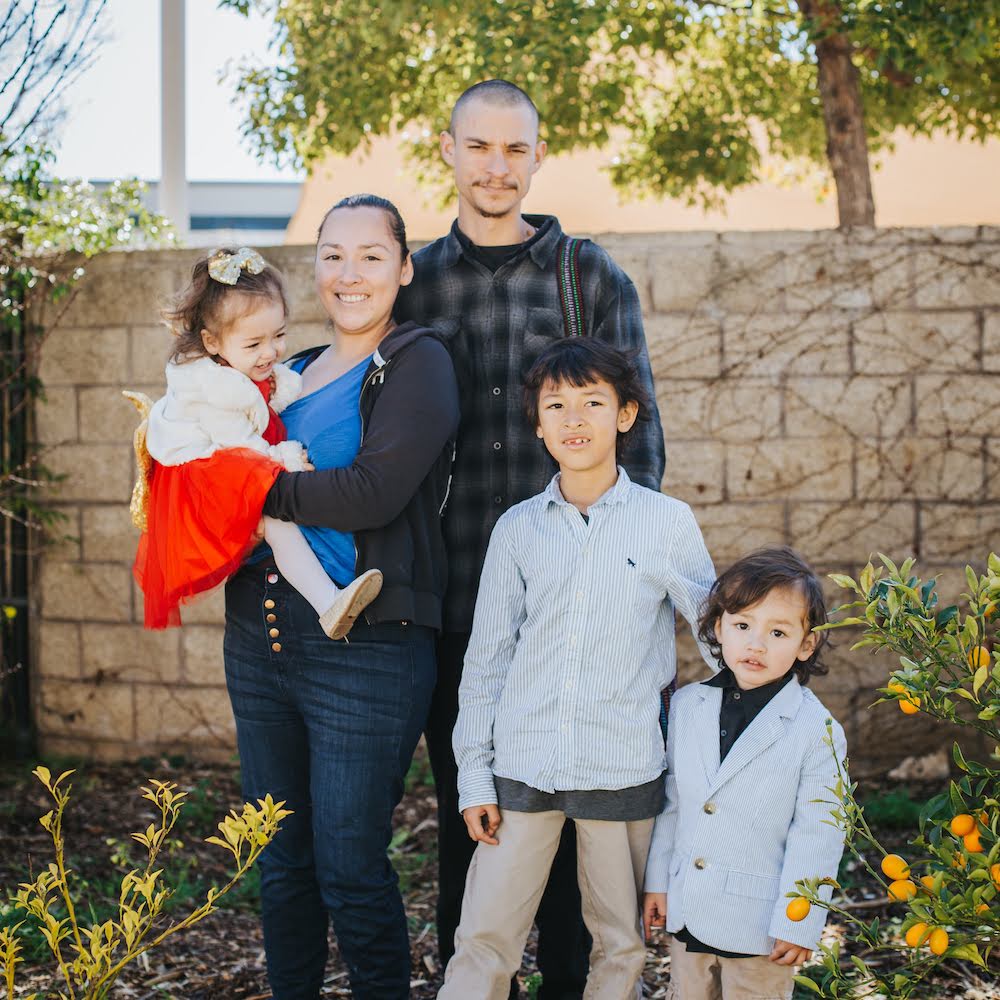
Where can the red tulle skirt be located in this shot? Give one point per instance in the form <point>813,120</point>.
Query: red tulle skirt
<point>201,522</point>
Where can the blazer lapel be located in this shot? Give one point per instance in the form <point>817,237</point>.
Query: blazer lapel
<point>706,727</point>
<point>765,730</point>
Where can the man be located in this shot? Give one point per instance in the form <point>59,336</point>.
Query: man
<point>491,289</point>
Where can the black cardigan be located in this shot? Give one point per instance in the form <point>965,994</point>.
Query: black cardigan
<point>392,495</point>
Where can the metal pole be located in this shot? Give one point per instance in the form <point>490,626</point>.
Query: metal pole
<point>173,201</point>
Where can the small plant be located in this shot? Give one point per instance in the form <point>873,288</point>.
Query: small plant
<point>948,888</point>
<point>90,958</point>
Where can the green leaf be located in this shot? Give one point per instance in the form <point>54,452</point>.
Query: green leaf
<point>968,953</point>
<point>977,682</point>
<point>807,983</point>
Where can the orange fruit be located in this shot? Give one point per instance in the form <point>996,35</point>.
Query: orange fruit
<point>978,656</point>
<point>995,874</point>
<point>959,860</point>
<point>982,908</point>
<point>972,842</point>
<point>928,882</point>
<point>938,941</point>
<point>798,908</point>
<point>990,610</point>
<point>910,706</point>
<point>962,824</point>
<point>917,935</point>
<point>894,867</point>
<point>901,890</point>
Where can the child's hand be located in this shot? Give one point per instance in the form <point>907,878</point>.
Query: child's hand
<point>482,823</point>
<point>786,953</point>
<point>654,912</point>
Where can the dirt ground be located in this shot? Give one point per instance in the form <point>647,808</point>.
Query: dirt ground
<point>222,958</point>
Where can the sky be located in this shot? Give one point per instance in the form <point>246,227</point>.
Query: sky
<point>112,128</point>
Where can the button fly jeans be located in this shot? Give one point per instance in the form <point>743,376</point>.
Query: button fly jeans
<point>330,728</point>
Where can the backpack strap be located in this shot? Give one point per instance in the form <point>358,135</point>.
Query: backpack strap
<point>570,297</point>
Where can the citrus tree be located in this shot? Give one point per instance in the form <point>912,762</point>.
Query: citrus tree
<point>946,889</point>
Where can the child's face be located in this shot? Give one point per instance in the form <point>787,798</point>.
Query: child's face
<point>580,424</point>
<point>252,342</point>
<point>761,643</point>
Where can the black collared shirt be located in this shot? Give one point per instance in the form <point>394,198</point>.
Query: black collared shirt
<point>739,709</point>
<point>495,323</point>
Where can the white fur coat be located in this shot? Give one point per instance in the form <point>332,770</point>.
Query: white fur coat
<point>209,406</point>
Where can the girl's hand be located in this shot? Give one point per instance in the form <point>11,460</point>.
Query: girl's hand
<point>654,912</point>
<point>482,823</point>
<point>786,953</point>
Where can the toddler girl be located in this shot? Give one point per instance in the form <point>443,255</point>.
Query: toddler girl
<point>218,444</point>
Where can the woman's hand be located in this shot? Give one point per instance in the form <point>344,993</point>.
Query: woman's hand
<point>654,912</point>
<point>786,953</point>
<point>482,823</point>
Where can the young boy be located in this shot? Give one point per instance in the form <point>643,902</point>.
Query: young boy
<point>572,642</point>
<point>748,768</point>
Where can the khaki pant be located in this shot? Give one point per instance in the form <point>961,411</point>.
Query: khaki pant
<point>505,884</point>
<point>694,976</point>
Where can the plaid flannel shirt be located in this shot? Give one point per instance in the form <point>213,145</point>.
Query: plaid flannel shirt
<point>495,326</point>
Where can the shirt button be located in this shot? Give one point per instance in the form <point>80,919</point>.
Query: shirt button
<point>722,732</point>
<point>272,577</point>
<point>269,603</point>
<point>498,500</point>
<point>579,595</point>
<point>736,696</point>
<point>497,445</point>
<point>496,390</point>
<point>700,864</point>
<point>709,807</point>
<point>572,640</point>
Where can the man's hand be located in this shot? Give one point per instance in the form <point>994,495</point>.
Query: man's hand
<point>654,912</point>
<point>482,823</point>
<point>786,953</point>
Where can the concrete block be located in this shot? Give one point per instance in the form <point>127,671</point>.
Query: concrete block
<point>792,343</point>
<point>107,416</point>
<point>684,346</point>
<point>148,350</point>
<point>126,288</point>
<point>206,609</point>
<point>957,404</point>
<point>85,591</point>
<point>86,710</point>
<point>305,335</point>
<point>695,471</point>
<point>203,663</point>
<point>853,531</point>
<point>55,416</point>
<point>684,279</point>
<point>786,468</point>
<point>924,468</point>
<point>92,471</point>
<point>832,275</point>
<point>958,532</point>
<point>752,277</point>
<point>890,343</point>
<point>58,650</point>
<point>733,529</point>
<point>951,277</point>
<point>992,459</point>
<point>861,405</point>
<point>180,717</point>
<point>130,653</point>
<point>81,356</point>
<point>109,535</point>
<point>726,410</point>
<point>991,341</point>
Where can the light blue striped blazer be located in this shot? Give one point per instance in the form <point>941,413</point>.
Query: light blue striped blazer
<point>734,838</point>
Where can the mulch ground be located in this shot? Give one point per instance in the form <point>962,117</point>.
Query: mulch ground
<point>222,957</point>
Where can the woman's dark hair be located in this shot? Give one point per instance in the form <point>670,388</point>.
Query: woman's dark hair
<point>581,361</point>
<point>750,580</point>
<point>396,225</point>
<point>207,304</point>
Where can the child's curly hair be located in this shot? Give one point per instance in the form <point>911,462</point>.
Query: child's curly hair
<point>750,580</point>
<point>207,304</point>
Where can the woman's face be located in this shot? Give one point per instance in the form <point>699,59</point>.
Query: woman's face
<point>359,270</point>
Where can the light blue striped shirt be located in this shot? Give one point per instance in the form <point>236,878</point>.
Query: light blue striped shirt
<point>573,640</point>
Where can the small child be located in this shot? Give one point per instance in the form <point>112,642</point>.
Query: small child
<point>748,769</point>
<point>218,444</point>
<point>572,643</point>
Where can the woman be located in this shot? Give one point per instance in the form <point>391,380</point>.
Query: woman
<point>330,727</point>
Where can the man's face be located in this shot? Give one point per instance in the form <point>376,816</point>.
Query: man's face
<point>494,152</point>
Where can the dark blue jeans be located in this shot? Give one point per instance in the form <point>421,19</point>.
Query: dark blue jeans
<point>330,728</point>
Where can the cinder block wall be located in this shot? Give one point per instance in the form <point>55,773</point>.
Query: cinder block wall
<point>834,391</point>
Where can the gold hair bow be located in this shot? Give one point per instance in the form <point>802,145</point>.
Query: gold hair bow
<point>225,267</point>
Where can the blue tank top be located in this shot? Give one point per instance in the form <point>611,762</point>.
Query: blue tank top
<point>328,423</point>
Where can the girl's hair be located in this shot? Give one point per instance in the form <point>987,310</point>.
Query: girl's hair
<point>581,361</point>
<point>750,580</point>
<point>396,225</point>
<point>207,304</point>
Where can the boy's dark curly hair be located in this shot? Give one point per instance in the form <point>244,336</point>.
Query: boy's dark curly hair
<point>750,580</point>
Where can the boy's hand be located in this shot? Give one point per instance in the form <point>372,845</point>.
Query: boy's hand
<point>654,912</point>
<point>482,823</point>
<point>786,953</point>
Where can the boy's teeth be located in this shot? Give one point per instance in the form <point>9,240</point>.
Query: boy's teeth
<point>353,298</point>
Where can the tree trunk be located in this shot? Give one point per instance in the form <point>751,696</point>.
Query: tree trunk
<point>843,114</point>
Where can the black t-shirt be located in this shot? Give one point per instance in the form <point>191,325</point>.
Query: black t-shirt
<point>492,257</point>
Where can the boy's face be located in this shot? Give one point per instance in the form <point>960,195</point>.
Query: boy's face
<point>580,424</point>
<point>762,642</point>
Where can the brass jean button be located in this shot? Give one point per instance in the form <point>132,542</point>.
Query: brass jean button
<point>276,646</point>
<point>269,603</point>
<point>700,863</point>
<point>272,618</point>
<point>709,807</point>
<point>273,633</point>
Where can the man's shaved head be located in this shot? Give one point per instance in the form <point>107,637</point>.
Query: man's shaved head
<point>497,92</point>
